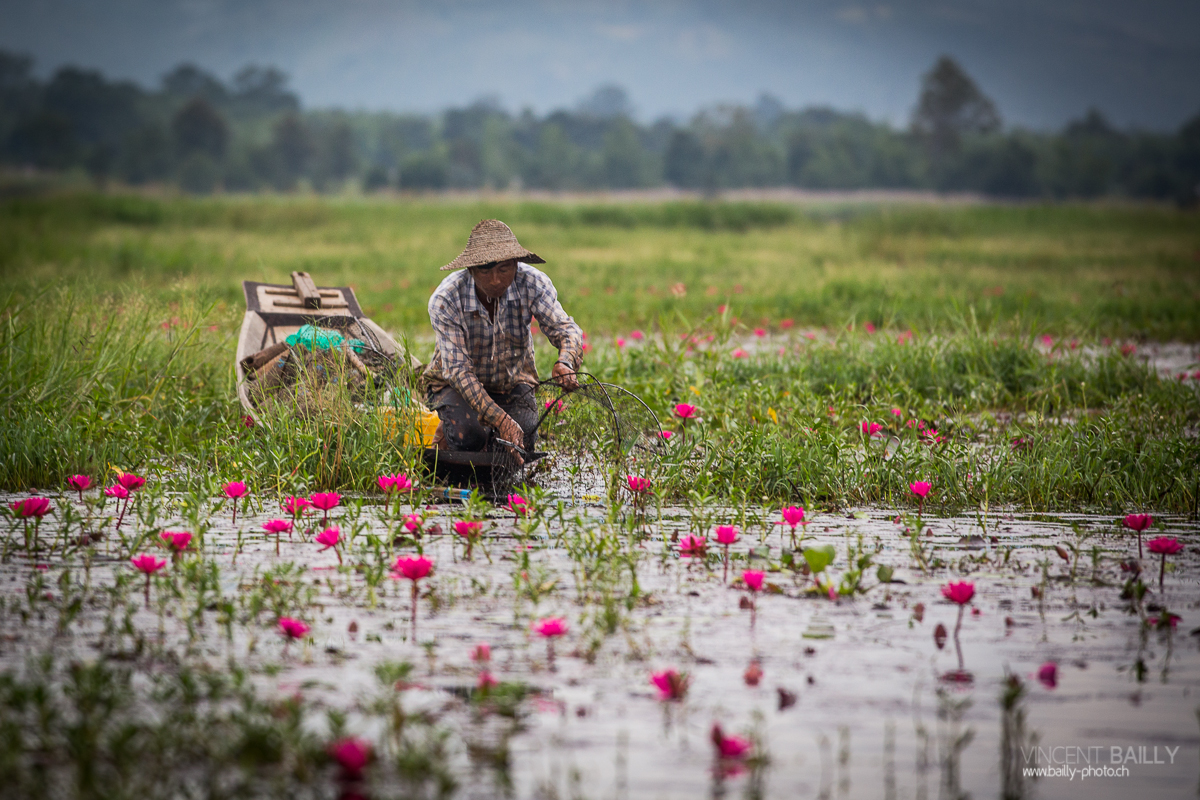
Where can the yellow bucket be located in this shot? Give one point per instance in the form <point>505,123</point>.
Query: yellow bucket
<point>418,425</point>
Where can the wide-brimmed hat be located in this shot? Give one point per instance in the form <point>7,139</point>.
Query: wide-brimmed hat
<point>491,240</point>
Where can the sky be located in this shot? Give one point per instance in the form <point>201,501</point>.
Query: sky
<point>1044,62</point>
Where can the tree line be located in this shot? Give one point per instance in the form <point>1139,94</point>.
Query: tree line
<point>202,134</point>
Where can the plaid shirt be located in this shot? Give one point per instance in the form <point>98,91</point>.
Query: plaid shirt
<point>477,355</point>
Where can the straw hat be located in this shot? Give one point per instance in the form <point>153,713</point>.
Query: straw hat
<point>491,240</point>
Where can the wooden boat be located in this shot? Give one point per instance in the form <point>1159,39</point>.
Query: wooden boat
<point>274,312</point>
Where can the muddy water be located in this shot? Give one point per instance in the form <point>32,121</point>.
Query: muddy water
<point>877,711</point>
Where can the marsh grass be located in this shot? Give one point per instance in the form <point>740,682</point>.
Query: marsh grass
<point>117,340</point>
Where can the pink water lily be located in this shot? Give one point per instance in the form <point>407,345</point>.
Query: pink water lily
<point>331,537</point>
<point>147,565</point>
<point>1164,546</point>
<point>872,429</point>
<point>793,516</point>
<point>395,483</point>
<point>130,482</point>
<point>120,493</point>
<point>25,508</point>
<point>551,627</point>
<point>277,527</point>
<point>235,490</point>
<point>685,411</point>
<point>726,535</point>
<point>729,747</point>
<point>482,653</point>
<point>1139,523</point>
<point>518,505</point>
<point>637,335</point>
<point>740,353</point>
<point>1047,674</point>
<point>920,489</point>
<point>80,483</point>
<point>294,506</point>
<point>666,435</point>
<point>671,684</point>
<point>176,541</point>
<point>352,755</point>
<point>959,592</point>
<point>692,546</point>
<point>637,484</point>
<point>486,682</point>
<point>620,342</point>
<point>325,501</point>
<point>470,531</point>
<point>753,579</point>
<point>293,628</point>
<point>414,568</point>
<point>555,405</point>
<point>413,523</point>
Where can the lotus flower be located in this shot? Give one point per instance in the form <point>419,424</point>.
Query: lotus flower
<point>1048,674</point>
<point>486,682</point>
<point>293,628</point>
<point>671,684</point>
<point>1164,546</point>
<point>80,483</point>
<point>130,482</point>
<point>620,342</point>
<point>692,546</point>
<point>1139,523</point>
<point>793,516</point>
<point>685,411</point>
<point>636,335</point>
<point>740,353</point>
<point>920,488</point>
<point>729,747</point>
<point>556,405</point>
<point>413,523</point>
<point>637,484</point>
<point>666,435</point>
<point>872,429</point>
<point>414,568</point>
<point>482,653</point>
<point>352,755</point>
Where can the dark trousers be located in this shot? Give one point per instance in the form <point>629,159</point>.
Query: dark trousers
<point>463,430</point>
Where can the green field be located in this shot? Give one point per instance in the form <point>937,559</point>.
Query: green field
<point>121,312</point>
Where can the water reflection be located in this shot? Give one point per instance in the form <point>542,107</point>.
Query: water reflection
<point>1014,740</point>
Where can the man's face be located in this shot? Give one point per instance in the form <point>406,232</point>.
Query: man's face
<point>494,282</point>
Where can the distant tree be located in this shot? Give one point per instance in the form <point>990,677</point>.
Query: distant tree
<point>45,139</point>
<point>337,159</point>
<point>100,113</point>
<point>263,90</point>
<point>145,155</point>
<point>18,90</point>
<point>624,158</point>
<point>950,106</point>
<point>375,179</point>
<point>188,81</point>
<point>767,111</point>
<point>683,162</point>
<point>1188,193</point>
<point>292,148</point>
<point>199,128</point>
<point>606,102</point>
<point>425,170</point>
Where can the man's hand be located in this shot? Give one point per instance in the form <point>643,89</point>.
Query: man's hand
<point>511,431</point>
<point>564,376</point>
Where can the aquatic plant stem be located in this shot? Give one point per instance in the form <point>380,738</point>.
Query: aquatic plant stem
<point>414,611</point>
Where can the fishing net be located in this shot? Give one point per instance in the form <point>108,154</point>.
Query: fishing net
<point>589,433</point>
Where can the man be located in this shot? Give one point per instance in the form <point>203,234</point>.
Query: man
<point>482,376</point>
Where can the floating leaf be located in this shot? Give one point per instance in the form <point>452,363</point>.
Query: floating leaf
<point>939,636</point>
<point>819,556</point>
<point>884,573</point>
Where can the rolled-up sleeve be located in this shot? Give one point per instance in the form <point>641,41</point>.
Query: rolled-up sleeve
<point>559,327</point>
<point>450,332</point>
